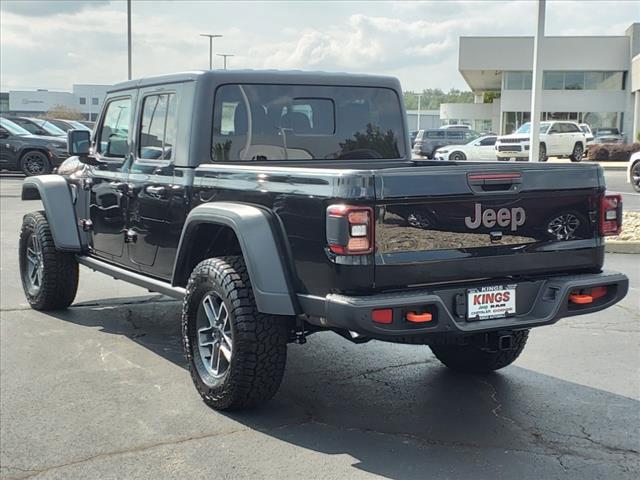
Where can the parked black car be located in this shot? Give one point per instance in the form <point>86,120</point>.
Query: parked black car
<point>428,141</point>
<point>280,204</point>
<point>37,126</point>
<point>31,154</point>
<point>66,125</point>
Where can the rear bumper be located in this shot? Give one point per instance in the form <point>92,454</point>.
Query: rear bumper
<point>541,301</point>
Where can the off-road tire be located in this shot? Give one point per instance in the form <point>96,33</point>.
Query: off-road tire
<point>59,271</point>
<point>29,159</point>
<point>473,359</point>
<point>578,153</point>
<point>542,153</point>
<point>259,350</point>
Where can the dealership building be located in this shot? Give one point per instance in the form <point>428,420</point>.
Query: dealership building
<point>587,79</point>
<point>84,98</point>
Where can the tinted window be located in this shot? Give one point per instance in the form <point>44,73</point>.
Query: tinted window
<point>435,134</point>
<point>488,141</point>
<point>28,126</point>
<point>570,128</point>
<point>303,122</point>
<point>158,127</point>
<point>454,134</point>
<point>114,133</point>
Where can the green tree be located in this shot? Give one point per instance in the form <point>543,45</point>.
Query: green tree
<point>433,97</point>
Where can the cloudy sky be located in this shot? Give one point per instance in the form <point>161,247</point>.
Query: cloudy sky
<point>53,44</point>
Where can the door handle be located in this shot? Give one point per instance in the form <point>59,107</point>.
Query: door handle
<point>156,191</point>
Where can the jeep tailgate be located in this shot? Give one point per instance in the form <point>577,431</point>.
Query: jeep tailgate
<point>460,222</point>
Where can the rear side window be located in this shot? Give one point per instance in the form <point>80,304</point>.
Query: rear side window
<point>157,127</point>
<point>113,139</point>
<point>435,134</point>
<point>570,127</point>
<point>305,122</point>
<point>454,134</point>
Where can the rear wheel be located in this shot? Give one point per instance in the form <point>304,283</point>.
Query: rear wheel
<point>503,159</point>
<point>542,153</point>
<point>34,163</point>
<point>473,358</point>
<point>236,355</point>
<point>457,156</point>
<point>578,153</point>
<point>49,277</point>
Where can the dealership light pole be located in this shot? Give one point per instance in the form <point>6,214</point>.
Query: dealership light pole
<point>418,124</point>
<point>129,38</point>
<point>536,87</point>
<point>211,37</point>
<point>225,55</point>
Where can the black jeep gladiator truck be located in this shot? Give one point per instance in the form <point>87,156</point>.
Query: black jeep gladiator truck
<point>279,204</point>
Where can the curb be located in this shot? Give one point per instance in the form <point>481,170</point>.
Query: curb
<point>613,246</point>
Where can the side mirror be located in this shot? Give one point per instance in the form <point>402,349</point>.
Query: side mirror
<point>79,142</point>
<point>4,134</point>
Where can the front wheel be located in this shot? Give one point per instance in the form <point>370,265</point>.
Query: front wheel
<point>473,358</point>
<point>236,355</point>
<point>457,156</point>
<point>578,153</point>
<point>34,163</point>
<point>634,176</point>
<point>49,277</point>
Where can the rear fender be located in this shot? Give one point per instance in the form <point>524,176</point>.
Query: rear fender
<point>258,241</point>
<point>54,192</point>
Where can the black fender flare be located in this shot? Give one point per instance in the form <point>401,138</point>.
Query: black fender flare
<point>258,241</point>
<point>56,198</point>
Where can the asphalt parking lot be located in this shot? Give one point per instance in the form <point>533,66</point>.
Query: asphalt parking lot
<point>101,391</point>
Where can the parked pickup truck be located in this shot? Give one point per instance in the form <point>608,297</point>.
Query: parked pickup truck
<point>557,139</point>
<point>276,205</point>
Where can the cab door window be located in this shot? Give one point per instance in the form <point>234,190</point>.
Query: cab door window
<point>158,127</point>
<point>113,139</point>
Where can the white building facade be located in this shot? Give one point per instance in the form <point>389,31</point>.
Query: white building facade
<point>589,80</point>
<point>85,98</point>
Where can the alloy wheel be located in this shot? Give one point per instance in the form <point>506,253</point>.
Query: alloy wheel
<point>34,266</point>
<point>215,337</point>
<point>34,163</point>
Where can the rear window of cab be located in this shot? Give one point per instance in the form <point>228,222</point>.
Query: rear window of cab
<point>306,122</point>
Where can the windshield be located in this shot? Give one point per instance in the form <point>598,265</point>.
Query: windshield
<point>526,128</point>
<point>608,131</point>
<point>306,122</point>
<point>12,128</point>
<point>50,128</point>
<point>78,125</point>
<point>584,128</point>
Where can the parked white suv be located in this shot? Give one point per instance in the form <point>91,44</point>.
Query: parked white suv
<point>557,139</point>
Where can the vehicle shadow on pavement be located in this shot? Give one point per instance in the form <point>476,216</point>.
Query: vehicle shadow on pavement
<point>394,411</point>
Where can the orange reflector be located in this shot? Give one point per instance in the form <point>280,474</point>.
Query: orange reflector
<point>419,317</point>
<point>598,292</point>
<point>384,315</point>
<point>580,299</point>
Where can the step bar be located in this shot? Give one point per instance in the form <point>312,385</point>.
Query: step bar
<point>119,273</point>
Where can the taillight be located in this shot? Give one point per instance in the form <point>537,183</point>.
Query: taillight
<point>610,215</point>
<point>350,229</point>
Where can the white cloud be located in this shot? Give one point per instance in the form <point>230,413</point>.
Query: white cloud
<point>60,43</point>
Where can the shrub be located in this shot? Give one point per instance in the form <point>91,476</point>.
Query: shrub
<point>614,152</point>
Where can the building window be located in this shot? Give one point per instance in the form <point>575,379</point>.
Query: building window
<point>94,101</point>
<point>569,80</point>
<point>511,121</point>
<point>602,119</point>
<point>517,81</point>
<point>83,100</point>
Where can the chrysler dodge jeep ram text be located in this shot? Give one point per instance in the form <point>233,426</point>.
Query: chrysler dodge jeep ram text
<point>276,205</point>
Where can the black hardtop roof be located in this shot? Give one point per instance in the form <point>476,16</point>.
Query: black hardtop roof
<point>263,76</point>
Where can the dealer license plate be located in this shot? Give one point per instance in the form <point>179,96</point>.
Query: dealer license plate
<point>490,302</point>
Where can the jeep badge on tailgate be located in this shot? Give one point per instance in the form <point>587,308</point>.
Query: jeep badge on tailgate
<point>503,218</point>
